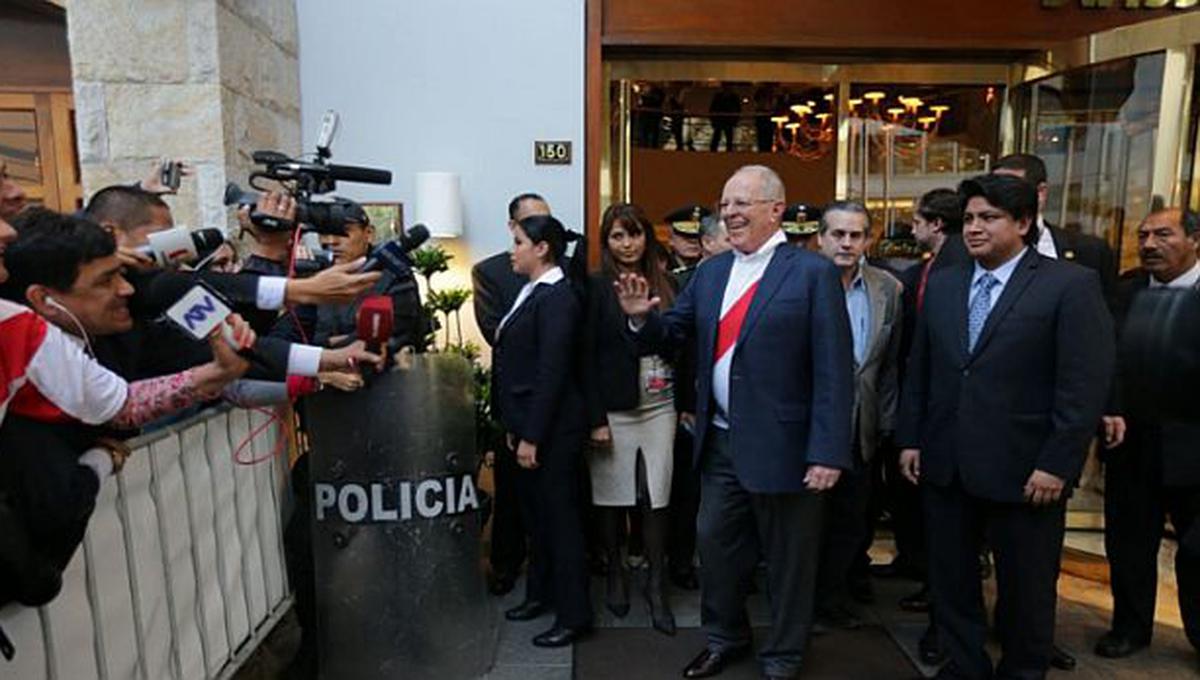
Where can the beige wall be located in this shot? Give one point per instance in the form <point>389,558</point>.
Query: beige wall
<point>205,81</point>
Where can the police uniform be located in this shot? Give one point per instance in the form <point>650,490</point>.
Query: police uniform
<point>685,222</point>
<point>800,224</point>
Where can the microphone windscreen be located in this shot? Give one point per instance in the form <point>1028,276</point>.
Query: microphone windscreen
<point>375,320</point>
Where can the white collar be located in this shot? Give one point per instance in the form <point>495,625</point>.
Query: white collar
<point>1003,272</point>
<point>763,251</point>
<point>1187,279</point>
<point>550,277</point>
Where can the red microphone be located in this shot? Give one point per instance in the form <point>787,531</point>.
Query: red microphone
<point>375,320</point>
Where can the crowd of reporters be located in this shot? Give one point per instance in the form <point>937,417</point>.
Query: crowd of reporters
<point>91,357</point>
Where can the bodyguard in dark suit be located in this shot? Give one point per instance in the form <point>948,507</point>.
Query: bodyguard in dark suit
<point>1155,474</point>
<point>937,226</point>
<point>774,393</point>
<point>536,394</point>
<point>496,286</point>
<point>1008,376</point>
<point>1054,241</point>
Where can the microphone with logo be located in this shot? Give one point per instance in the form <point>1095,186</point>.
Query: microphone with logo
<point>200,311</point>
<point>375,321</point>
<point>180,245</point>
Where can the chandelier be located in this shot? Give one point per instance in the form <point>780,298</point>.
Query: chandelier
<point>810,132</point>
<point>908,123</point>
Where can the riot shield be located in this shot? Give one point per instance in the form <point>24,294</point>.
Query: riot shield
<point>396,527</point>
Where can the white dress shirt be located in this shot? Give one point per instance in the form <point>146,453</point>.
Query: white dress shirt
<point>747,270</point>
<point>1002,273</point>
<point>549,277</point>
<point>1045,242</point>
<point>1187,279</point>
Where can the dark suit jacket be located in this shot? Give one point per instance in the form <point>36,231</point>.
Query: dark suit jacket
<point>1031,393</point>
<point>1174,441</point>
<point>611,354</point>
<point>536,392</point>
<point>792,378</point>
<point>157,290</point>
<point>496,287</point>
<point>953,252</point>
<point>1091,252</point>
<point>612,357</point>
<point>155,348</point>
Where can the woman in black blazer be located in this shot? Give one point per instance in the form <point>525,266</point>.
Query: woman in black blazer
<point>537,396</point>
<point>631,412</point>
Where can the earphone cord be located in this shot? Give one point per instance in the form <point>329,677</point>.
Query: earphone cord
<point>78,326</point>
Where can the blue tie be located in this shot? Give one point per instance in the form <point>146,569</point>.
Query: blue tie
<point>981,305</point>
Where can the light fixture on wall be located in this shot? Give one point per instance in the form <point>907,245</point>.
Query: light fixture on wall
<point>439,203</point>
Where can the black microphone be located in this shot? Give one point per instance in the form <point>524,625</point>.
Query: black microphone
<point>393,255</point>
<point>354,173</point>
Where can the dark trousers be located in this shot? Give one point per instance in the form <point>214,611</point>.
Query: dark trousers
<point>722,126</point>
<point>903,501</point>
<point>736,527</point>
<point>550,507</point>
<point>301,566</point>
<point>843,536</point>
<point>685,504</point>
<point>1136,506</point>
<point>1027,545</point>
<point>508,531</point>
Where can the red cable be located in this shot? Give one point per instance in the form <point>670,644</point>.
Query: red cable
<point>273,416</point>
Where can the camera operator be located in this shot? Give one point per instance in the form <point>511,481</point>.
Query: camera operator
<point>272,250</point>
<point>337,322</point>
<point>132,214</point>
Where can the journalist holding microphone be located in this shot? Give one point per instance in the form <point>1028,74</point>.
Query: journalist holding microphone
<point>536,394</point>
<point>52,398</point>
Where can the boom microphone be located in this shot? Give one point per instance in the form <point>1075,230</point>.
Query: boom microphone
<point>354,173</point>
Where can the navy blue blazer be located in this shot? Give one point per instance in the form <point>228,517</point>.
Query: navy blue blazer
<point>1028,397</point>
<point>536,387</point>
<point>791,383</point>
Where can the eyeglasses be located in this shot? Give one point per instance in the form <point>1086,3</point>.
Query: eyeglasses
<point>741,204</point>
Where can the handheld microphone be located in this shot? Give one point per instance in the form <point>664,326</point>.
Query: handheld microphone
<point>375,321</point>
<point>180,245</point>
<point>199,312</point>
<point>393,255</point>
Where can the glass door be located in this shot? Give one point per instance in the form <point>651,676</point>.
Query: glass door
<point>905,140</point>
<point>1097,129</point>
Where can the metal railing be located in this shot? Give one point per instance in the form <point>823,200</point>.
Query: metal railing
<point>181,572</point>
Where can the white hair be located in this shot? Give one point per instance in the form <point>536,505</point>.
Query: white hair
<point>772,185</point>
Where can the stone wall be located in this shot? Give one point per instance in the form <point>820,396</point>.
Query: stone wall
<point>205,81</point>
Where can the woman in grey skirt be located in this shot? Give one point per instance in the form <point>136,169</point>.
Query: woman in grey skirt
<point>631,412</point>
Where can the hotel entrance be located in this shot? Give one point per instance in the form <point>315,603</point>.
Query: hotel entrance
<point>1113,114</point>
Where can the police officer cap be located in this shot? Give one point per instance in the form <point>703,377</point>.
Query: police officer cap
<point>800,219</point>
<point>686,220</point>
